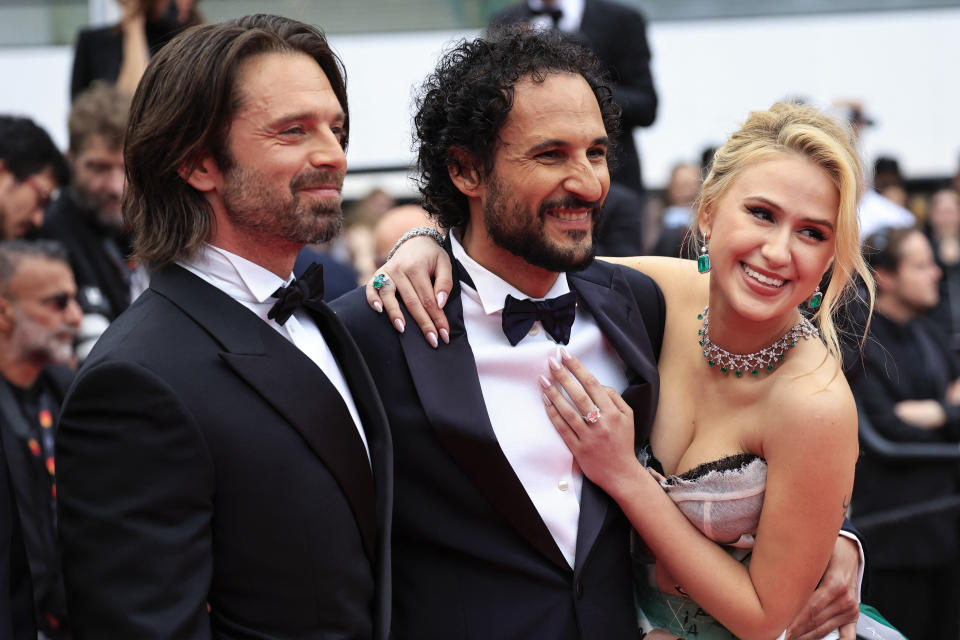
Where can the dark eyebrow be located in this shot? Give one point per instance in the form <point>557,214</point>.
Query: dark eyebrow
<point>340,116</point>
<point>774,205</point>
<point>556,142</point>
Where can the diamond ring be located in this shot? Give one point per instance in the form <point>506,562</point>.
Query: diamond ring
<point>592,416</point>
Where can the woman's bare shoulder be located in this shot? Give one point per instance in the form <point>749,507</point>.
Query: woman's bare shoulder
<point>672,275</point>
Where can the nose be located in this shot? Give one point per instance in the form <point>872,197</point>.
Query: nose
<point>328,153</point>
<point>36,217</point>
<point>73,314</point>
<point>587,180</point>
<point>116,181</point>
<point>776,247</point>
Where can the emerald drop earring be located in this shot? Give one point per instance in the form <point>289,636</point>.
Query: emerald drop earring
<point>815,298</point>
<point>703,260</point>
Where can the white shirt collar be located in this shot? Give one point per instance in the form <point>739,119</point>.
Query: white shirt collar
<point>236,276</point>
<point>491,290</point>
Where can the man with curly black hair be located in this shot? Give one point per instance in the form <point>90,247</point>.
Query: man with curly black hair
<point>497,534</point>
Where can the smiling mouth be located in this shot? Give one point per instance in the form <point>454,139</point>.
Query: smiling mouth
<point>759,277</point>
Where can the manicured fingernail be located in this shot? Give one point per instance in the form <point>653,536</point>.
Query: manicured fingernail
<point>544,382</point>
<point>432,339</point>
<point>398,323</point>
<point>554,364</point>
<point>564,354</point>
<point>546,399</point>
<point>445,336</point>
<point>378,307</point>
<point>441,299</point>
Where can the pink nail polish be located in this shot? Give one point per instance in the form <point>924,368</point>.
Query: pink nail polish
<point>445,336</point>
<point>564,354</point>
<point>546,399</point>
<point>441,299</point>
<point>398,323</point>
<point>544,382</point>
<point>432,339</point>
<point>378,307</point>
<point>554,364</point>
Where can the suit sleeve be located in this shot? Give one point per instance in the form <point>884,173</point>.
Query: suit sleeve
<point>82,75</point>
<point>135,502</point>
<point>877,396</point>
<point>633,86</point>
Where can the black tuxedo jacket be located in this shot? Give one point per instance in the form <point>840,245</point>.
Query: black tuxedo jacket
<point>618,35</point>
<point>203,460</point>
<point>472,556</point>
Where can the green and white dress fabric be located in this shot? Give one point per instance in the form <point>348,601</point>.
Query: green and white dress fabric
<point>723,499</point>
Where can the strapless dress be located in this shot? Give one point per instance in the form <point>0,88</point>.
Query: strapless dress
<point>723,499</point>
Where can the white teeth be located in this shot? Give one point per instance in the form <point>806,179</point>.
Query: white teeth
<point>762,278</point>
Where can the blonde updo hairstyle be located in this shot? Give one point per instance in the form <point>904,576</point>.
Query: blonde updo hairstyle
<point>803,130</point>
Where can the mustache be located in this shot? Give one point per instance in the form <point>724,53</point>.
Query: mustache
<point>315,177</point>
<point>571,202</point>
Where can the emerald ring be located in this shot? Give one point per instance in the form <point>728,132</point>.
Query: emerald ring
<point>381,281</point>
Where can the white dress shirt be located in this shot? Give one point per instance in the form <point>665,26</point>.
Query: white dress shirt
<point>512,395</point>
<point>253,286</point>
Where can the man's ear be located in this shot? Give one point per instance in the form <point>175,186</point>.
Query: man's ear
<point>883,278</point>
<point>203,175</point>
<point>464,173</point>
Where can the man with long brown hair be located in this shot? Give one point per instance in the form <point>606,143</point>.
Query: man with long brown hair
<point>224,461</point>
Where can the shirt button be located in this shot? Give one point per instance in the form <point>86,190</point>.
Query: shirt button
<point>534,330</point>
<point>563,485</point>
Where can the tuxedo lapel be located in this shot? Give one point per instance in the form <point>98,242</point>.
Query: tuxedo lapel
<point>367,401</point>
<point>287,380</point>
<point>609,299</point>
<point>449,390</point>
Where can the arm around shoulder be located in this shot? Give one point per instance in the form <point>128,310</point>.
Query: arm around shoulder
<point>135,487</point>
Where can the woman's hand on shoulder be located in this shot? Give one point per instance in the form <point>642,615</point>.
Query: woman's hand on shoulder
<point>420,270</point>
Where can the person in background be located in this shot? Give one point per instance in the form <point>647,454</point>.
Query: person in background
<point>617,34</point>
<point>393,224</point>
<point>39,318</point>
<point>908,386</point>
<point>86,216</point>
<point>668,218</point>
<point>31,170</point>
<point>943,231</point>
<point>118,54</point>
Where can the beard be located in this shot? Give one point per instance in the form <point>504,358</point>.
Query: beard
<point>41,344</point>
<point>255,204</point>
<point>105,206</point>
<point>522,231</point>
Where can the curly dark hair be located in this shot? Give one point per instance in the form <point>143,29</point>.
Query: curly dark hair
<point>464,104</point>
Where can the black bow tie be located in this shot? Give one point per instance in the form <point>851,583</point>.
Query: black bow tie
<point>556,315</point>
<point>306,288</point>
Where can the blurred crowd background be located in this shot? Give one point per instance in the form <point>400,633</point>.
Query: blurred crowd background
<point>685,73</point>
